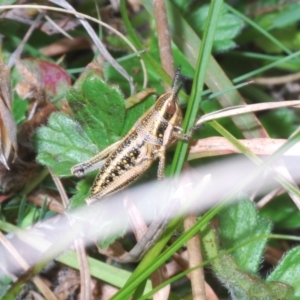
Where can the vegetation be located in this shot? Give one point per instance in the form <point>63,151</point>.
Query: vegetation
<point>229,207</point>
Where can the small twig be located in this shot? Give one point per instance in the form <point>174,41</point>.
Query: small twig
<point>38,199</point>
<point>140,229</point>
<point>163,34</point>
<point>179,263</point>
<point>85,277</point>
<point>267,198</point>
<point>83,16</point>
<point>195,258</point>
<point>151,236</point>
<point>98,43</point>
<point>61,189</point>
<point>17,53</point>
<point>58,28</point>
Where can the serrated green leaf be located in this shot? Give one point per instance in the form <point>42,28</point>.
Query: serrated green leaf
<point>62,143</point>
<point>239,222</point>
<point>241,284</point>
<point>99,108</point>
<point>288,271</point>
<point>229,26</point>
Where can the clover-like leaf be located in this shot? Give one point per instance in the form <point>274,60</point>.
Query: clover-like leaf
<point>229,26</point>
<point>99,108</point>
<point>288,271</point>
<point>237,273</point>
<point>62,144</point>
<point>239,223</point>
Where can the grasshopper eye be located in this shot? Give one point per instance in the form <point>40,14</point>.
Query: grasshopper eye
<point>171,108</point>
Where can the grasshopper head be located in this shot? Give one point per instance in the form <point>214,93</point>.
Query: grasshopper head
<point>167,106</point>
<point>167,103</point>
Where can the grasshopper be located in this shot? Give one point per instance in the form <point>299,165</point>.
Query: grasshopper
<point>125,161</point>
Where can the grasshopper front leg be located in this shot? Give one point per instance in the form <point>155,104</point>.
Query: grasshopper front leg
<point>93,163</point>
<point>177,133</point>
<point>161,153</point>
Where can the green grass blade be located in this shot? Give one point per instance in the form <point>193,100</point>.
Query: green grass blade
<point>148,265</point>
<point>200,74</point>
<point>189,43</point>
<point>259,29</point>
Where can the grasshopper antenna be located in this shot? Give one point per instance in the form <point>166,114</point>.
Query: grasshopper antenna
<point>177,82</point>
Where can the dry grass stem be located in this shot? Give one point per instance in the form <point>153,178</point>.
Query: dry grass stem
<point>82,17</point>
<point>243,109</point>
<point>267,198</point>
<point>213,146</point>
<point>195,258</point>
<point>277,80</point>
<point>164,39</point>
<point>85,277</point>
<point>48,294</point>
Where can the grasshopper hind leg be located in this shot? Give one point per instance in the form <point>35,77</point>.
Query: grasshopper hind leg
<point>98,191</point>
<point>93,163</point>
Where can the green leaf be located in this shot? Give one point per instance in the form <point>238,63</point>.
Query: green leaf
<point>62,144</point>
<point>229,26</point>
<point>289,37</point>
<point>19,109</point>
<point>99,108</point>
<point>241,284</point>
<point>83,191</point>
<point>52,79</point>
<point>238,223</point>
<point>282,212</point>
<point>288,271</point>
<point>250,287</point>
<point>286,118</point>
<point>288,15</point>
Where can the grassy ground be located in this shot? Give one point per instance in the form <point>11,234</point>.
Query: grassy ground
<point>224,224</point>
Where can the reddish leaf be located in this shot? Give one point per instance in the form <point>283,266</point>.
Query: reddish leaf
<point>40,77</point>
